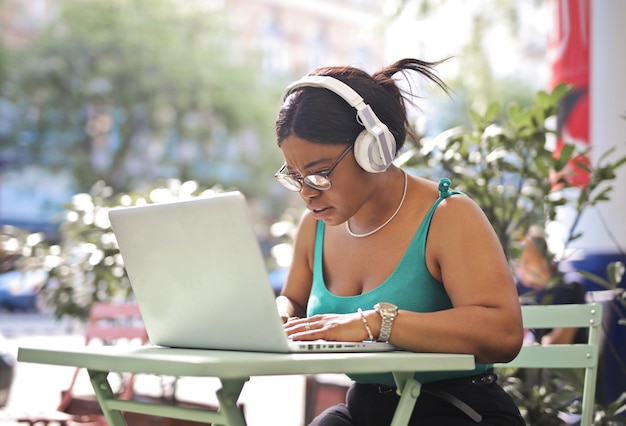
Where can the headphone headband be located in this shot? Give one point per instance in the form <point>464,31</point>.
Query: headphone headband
<point>385,142</point>
<point>325,82</point>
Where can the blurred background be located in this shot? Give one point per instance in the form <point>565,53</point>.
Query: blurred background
<point>133,92</point>
<point>121,102</point>
<point>112,97</point>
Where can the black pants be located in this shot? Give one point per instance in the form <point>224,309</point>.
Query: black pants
<point>476,400</point>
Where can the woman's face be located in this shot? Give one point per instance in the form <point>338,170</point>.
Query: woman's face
<point>349,182</point>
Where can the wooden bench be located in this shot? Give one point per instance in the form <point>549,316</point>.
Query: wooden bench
<point>583,356</point>
<point>323,392</point>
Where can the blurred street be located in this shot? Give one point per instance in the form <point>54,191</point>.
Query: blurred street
<point>276,400</point>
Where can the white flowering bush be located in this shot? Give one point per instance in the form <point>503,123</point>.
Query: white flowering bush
<point>86,266</point>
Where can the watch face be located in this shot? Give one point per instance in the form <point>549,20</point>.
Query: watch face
<point>387,308</point>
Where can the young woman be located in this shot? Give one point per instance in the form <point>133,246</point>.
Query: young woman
<point>386,256</point>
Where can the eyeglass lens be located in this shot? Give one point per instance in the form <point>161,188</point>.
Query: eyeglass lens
<point>315,181</point>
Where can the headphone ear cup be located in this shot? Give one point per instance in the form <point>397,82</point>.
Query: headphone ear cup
<point>367,153</point>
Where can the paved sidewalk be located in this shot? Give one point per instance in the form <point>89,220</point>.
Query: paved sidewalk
<point>276,400</point>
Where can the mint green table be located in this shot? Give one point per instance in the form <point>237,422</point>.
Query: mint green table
<point>234,369</point>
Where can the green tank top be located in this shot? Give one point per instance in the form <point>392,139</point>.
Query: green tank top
<point>410,287</point>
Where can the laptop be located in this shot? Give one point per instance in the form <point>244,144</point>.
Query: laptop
<point>199,277</point>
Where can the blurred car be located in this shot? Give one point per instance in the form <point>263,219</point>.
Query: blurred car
<point>277,279</point>
<point>19,290</point>
<point>7,371</point>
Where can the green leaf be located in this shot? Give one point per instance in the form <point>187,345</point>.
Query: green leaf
<point>615,272</point>
<point>602,196</point>
<point>596,279</point>
<point>583,165</point>
<point>544,100</point>
<point>559,92</point>
<point>492,111</point>
<point>477,119</point>
<point>513,112</point>
<point>606,154</point>
<point>566,154</point>
<point>576,236</point>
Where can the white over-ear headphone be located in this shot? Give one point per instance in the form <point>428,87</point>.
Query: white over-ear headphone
<point>374,147</point>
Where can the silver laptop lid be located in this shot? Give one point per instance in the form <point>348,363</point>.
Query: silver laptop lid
<point>198,274</point>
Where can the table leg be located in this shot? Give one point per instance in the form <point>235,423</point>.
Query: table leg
<point>408,389</point>
<point>227,397</point>
<point>103,391</point>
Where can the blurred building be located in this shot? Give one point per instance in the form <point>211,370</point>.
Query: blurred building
<point>297,36</point>
<point>293,35</point>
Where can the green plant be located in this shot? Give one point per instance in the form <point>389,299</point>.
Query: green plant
<point>544,404</point>
<point>612,414</point>
<point>615,272</point>
<point>505,165</point>
<point>86,265</point>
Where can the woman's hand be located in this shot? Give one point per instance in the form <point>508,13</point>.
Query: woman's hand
<point>334,327</point>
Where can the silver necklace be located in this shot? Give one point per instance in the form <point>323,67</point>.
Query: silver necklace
<point>367,234</point>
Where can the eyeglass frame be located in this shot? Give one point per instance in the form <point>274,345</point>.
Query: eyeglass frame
<point>282,178</point>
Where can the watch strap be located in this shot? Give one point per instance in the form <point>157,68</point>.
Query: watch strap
<point>388,316</point>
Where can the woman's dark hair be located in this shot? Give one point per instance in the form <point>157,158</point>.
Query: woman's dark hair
<point>320,115</point>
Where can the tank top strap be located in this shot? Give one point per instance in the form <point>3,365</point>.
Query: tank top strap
<point>444,192</point>
<point>444,189</point>
<point>319,242</point>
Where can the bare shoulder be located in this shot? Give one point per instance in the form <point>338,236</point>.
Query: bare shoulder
<point>460,223</point>
<point>461,208</point>
<point>428,191</point>
<point>307,226</point>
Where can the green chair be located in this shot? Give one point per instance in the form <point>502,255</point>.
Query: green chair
<point>565,356</point>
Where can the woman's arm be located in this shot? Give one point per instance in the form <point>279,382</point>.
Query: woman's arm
<point>464,253</point>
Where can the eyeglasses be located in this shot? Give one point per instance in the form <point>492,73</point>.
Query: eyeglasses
<point>317,181</point>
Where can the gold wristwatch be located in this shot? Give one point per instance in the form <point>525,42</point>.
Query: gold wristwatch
<point>388,312</point>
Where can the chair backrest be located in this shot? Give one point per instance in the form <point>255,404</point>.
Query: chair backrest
<point>565,356</point>
<point>110,322</point>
